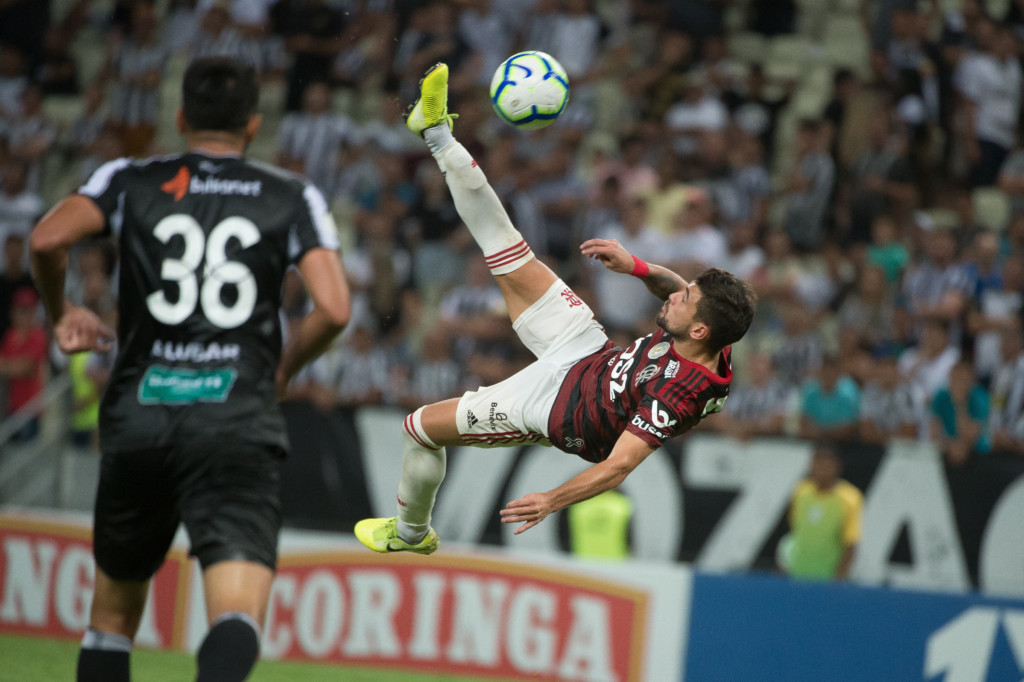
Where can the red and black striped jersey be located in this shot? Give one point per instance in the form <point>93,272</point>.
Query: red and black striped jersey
<point>647,389</point>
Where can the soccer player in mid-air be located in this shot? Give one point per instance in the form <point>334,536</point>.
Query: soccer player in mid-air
<point>583,395</point>
<point>190,428</point>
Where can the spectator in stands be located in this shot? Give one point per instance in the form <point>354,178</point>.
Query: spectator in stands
<point>886,250</point>
<point>940,285</point>
<point>13,276</point>
<point>960,416</point>
<point>433,230</point>
<point>808,187</point>
<point>889,406</point>
<point>755,106</point>
<point>757,406</point>
<point>1011,178</point>
<point>620,306</point>
<point>355,372</point>
<point>697,111</point>
<point>824,520</point>
<point>23,358</point>
<point>1007,393</point>
<point>869,310</point>
<point>880,182</point>
<point>13,80</point>
<point>57,72</point>
<point>797,352</point>
<point>217,37</point>
<point>750,182</point>
<point>310,141</point>
<point>744,256</point>
<point>635,176</point>
<point>989,82</point>
<point>136,66</point>
<point>927,365</point>
<point>31,135</point>
<point>996,308</point>
<point>432,36</point>
<point>473,313</point>
<point>665,200</point>
<point>432,375</point>
<point>312,31</point>
<point>829,403</point>
<point>88,124</point>
<point>20,207</point>
<point>695,244</point>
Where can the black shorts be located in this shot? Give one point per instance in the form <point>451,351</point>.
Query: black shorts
<point>226,494</point>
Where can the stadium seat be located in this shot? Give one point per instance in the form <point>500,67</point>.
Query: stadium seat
<point>991,207</point>
<point>746,46</point>
<point>846,44</point>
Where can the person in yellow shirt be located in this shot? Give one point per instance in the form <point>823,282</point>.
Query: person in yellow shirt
<point>825,522</point>
<point>599,527</point>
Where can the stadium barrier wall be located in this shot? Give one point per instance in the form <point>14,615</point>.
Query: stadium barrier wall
<point>529,616</point>
<point>708,500</point>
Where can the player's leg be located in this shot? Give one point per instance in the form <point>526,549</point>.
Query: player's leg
<point>230,504</point>
<point>133,527</point>
<point>116,613</point>
<point>521,277</point>
<point>425,432</point>
<point>236,604</point>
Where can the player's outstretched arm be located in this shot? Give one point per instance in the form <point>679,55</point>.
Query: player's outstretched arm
<point>659,280</point>
<point>533,508</point>
<point>75,329</point>
<point>332,306</point>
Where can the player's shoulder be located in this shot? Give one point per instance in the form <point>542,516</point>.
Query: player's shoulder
<point>804,487</point>
<point>295,181</point>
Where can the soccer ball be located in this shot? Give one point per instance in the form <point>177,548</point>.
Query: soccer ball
<point>529,90</point>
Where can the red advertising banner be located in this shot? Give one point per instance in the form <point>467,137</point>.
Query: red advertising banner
<point>456,614</point>
<point>453,613</point>
<point>46,578</point>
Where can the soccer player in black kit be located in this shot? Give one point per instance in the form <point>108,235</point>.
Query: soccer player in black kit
<point>583,395</point>
<point>190,428</point>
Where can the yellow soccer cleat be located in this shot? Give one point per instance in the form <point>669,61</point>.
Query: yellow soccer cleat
<point>431,108</point>
<point>381,535</point>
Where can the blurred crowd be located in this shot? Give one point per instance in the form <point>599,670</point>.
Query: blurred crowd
<point>860,162</point>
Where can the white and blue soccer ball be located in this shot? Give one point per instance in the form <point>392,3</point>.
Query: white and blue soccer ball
<point>529,90</point>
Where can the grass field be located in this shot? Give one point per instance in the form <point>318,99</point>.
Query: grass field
<point>29,659</point>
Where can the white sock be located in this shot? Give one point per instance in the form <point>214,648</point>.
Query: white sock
<point>423,468</point>
<point>438,137</point>
<point>479,207</point>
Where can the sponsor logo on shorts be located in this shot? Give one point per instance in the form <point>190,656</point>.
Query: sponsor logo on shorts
<point>573,443</point>
<point>571,298</point>
<point>494,416</point>
<point>471,418</point>
<point>646,374</point>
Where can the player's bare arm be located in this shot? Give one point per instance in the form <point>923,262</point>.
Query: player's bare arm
<point>75,328</point>
<point>322,272</point>
<point>659,280</point>
<point>533,508</point>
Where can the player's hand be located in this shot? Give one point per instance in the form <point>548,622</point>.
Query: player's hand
<point>529,510</point>
<point>612,254</point>
<point>80,329</point>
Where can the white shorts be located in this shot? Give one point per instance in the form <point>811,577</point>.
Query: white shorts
<point>560,329</point>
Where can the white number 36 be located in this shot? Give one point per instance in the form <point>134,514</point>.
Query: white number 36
<point>218,272</point>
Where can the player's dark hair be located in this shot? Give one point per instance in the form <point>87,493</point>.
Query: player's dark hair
<point>219,93</point>
<point>726,306</point>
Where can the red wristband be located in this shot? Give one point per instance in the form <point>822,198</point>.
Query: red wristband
<point>640,268</point>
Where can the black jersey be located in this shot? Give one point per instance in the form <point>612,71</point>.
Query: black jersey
<point>205,242</point>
